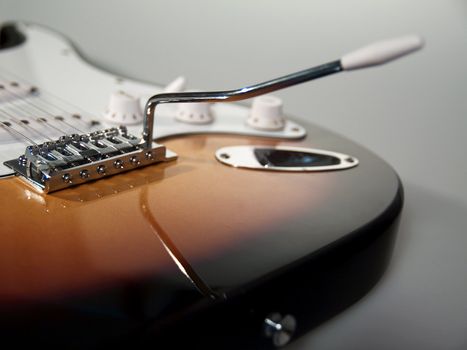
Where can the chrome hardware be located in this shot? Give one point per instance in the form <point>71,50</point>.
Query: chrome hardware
<point>118,164</point>
<point>22,160</point>
<point>66,178</point>
<point>284,158</point>
<point>134,161</point>
<point>84,174</point>
<point>375,54</point>
<point>279,329</point>
<point>101,169</point>
<point>232,95</point>
<point>65,162</point>
<point>71,159</point>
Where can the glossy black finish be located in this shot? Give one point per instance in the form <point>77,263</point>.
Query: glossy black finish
<point>96,318</point>
<point>313,289</point>
<point>284,158</point>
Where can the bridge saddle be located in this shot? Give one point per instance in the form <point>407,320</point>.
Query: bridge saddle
<point>76,159</point>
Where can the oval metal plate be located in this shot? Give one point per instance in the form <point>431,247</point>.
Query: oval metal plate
<point>247,157</point>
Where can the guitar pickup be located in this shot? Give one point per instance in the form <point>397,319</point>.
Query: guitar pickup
<point>75,159</point>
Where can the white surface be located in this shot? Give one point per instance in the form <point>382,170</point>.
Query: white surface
<point>194,113</point>
<point>412,112</point>
<point>381,52</point>
<point>67,86</point>
<point>266,113</point>
<point>176,85</point>
<point>123,109</point>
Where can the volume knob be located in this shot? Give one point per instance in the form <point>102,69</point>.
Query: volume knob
<point>123,108</point>
<point>194,113</point>
<point>266,113</point>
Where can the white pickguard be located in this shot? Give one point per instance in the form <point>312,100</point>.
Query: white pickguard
<point>67,86</point>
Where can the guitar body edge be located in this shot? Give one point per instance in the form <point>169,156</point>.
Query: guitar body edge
<point>190,252</point>
<point>312,290</point>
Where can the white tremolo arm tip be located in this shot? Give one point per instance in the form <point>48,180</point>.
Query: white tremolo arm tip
<point>381,52</point>
<point>176,85</point>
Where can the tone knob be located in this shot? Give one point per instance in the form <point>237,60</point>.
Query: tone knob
<point>123,108</point>
<point>266,113</point>
<point>194,113</point>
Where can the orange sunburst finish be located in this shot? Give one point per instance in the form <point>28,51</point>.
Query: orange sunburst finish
<point>190,251</point>
<point>95,235</point>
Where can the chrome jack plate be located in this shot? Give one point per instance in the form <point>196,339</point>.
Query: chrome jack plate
<point>283,158</point>
<point>75,159</point>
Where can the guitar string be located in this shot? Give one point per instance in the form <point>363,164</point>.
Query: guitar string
<point>41,110</point>
<point>62,120</point>
<point>12,118</point>
<point>28,104</point>
<point>11,108</point>
<point>25,122</point>
<point>46,101</point>
<point>9,128</point>
<point>23,98</point>
<point>46,123</point>
<point>25,82</point>
<point>25,125</point>
<point>26,111</point>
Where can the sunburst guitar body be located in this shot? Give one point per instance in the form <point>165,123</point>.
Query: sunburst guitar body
<point>188,251</point>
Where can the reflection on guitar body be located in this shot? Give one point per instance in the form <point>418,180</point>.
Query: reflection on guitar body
<point>115,231</point>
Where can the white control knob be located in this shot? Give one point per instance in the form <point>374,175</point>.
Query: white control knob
<point>266,113</point>
<point>194,113</point>
<point>123,108</point>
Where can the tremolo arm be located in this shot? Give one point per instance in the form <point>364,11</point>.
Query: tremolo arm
<point>75,159</point>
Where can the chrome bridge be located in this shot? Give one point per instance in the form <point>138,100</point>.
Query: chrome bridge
<point>76,159</point>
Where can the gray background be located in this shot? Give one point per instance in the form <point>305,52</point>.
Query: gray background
<point>413,113</point>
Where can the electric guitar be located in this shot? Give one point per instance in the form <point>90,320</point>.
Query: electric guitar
<point>196,222</point>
